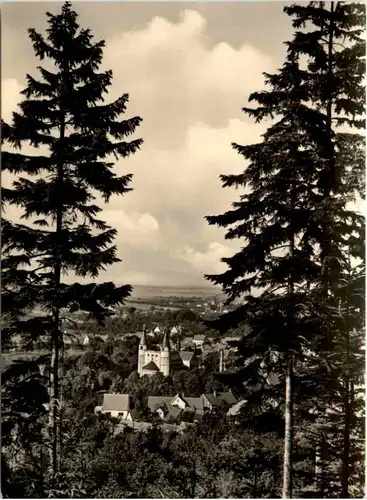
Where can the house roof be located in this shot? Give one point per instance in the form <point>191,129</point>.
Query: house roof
<point>223,397</point>
<point>151,366</point>
<point>163,407</point>
<point>186,355</point>
<point>227,397</point>
<point>212,399</point>
<point>195,403</point>
<point>157,329</point>
<point>174,330</point>
<point>174,413</point>
<point>176,361</point>
<point>155,401</point>
<point>116,402</point>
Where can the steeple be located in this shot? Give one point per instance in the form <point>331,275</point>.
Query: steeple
<point>165,354</point>
<point>142,351</point>
<point>165,342</point>
<point>143,339</point>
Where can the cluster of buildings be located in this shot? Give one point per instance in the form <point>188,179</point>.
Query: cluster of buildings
<point>177,410</point>
<point>166,358</point>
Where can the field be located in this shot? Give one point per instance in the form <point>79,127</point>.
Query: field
<point>6,358</point>
<point>141,291</point>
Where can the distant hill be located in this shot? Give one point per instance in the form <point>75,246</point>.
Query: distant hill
<point>168,291</point>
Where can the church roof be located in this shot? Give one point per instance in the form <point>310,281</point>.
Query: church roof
<point>143,339</point>
<point>165,343</point>
<point>186,355</point>
<point>151,366</point>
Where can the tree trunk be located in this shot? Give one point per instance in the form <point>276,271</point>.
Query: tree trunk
<point>288,412</point>
<point>347,403</point>
<point>56,339</point>
<point>288,432</point>
<point>329,183</point>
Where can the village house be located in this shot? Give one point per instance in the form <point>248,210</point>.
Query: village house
<point>217,400</point>
<point>173,410</point>
<point>177,407</point>
<point>191,409</point>
<point>116,406</point>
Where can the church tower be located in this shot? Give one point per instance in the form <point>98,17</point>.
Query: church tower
<point>165,354</point>
<point>142,350</point>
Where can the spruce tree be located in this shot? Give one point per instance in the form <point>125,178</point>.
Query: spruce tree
<point>60,193</point>
<point>293,218</point>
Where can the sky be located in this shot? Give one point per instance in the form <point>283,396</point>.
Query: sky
<point>189,68</point>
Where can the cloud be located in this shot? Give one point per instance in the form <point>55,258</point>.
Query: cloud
<point>176,78</point>
<point>10,97</point>
<point>210,259</point>
<point>189,93</point>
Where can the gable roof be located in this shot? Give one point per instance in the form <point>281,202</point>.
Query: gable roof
<point>186,355</point>
<point>157,329</point>
<point>174,330</point>
<point>212,399</point>
<point>195,403</point>
<point>219,399</point>
<point>155,401</point>
<point>116,402</point>
<point>173,413</point>
<point>176,362</point>
<point>227,397</point>
<point>151,366</point>
<point>163,407</point>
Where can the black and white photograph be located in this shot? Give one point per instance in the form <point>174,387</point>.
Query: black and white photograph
<point>183,249</point>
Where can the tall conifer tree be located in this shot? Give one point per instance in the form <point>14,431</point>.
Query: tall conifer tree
<point>64,113</point>
<point>294,218</point>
